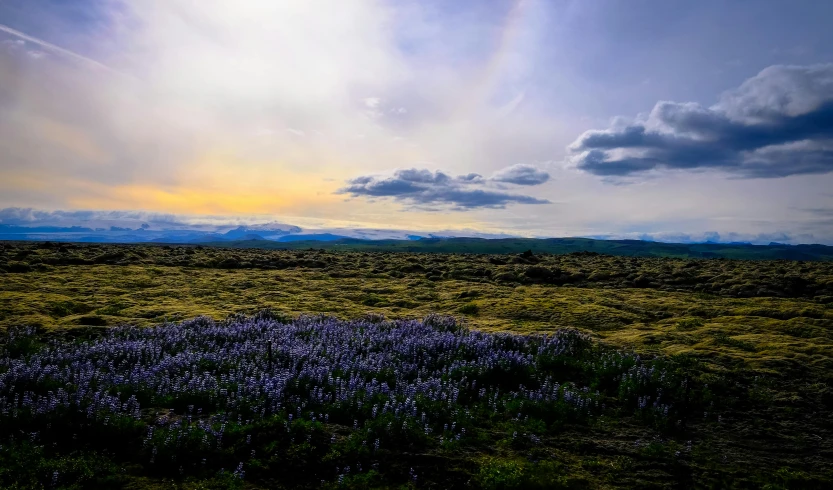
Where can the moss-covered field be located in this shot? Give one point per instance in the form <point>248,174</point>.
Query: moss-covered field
<point>761,329</point>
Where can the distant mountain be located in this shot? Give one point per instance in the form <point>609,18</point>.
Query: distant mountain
<point>282,236</point>
<point>242,232</point>
<point>236,233</point>
<point>712,242</point>
<point>313,237</point>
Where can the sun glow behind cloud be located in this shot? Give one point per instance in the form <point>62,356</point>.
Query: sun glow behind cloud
<point>266,108</point>
<point>244,107</point>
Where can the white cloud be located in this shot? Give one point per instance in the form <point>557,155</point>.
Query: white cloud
<point>372,102</point>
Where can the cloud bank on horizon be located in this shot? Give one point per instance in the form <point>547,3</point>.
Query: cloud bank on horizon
<point>138,227</point>
<point>323,115</point>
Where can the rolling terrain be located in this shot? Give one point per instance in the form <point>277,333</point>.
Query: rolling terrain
<point>753,340</point>
<point>631,248</point>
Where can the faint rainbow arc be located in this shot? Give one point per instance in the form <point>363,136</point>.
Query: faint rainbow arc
<point>487,77</point>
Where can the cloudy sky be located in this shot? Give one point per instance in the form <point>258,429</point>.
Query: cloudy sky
<point>665,119</point>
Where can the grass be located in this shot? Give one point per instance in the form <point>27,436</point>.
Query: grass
<point>630,248</point>
<point>788,332</point>
<point>762,328</point>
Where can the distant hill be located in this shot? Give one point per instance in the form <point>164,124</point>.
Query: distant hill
<point>313,237</point>
<point>633,248</point>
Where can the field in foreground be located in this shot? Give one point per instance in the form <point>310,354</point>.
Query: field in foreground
<point>752,342</point>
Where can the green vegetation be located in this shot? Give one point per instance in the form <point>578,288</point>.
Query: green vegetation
<point>632,248</point>
<point>759,332</point>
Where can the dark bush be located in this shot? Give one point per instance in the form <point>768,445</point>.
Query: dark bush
<point>229,263</point>
<point>92,320</point>
<point>372,300</point>
<point>469,309</point>
<point>538,273</point>
<point>15,266</point>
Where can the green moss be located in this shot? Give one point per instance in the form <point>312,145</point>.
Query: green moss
<point>509,474</point>
<point>689,323</point>
<point>631,317</point>
<point>723,339</point>
<point>730,318</point>
<point>64,308</point>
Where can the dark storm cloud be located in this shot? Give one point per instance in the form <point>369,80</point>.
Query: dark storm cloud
<point>421,187</point>
<point>776,124</point>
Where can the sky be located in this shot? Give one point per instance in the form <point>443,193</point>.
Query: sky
<point>665,120</point>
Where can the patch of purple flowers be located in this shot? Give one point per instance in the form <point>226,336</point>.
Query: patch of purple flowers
<point>432,376</point>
